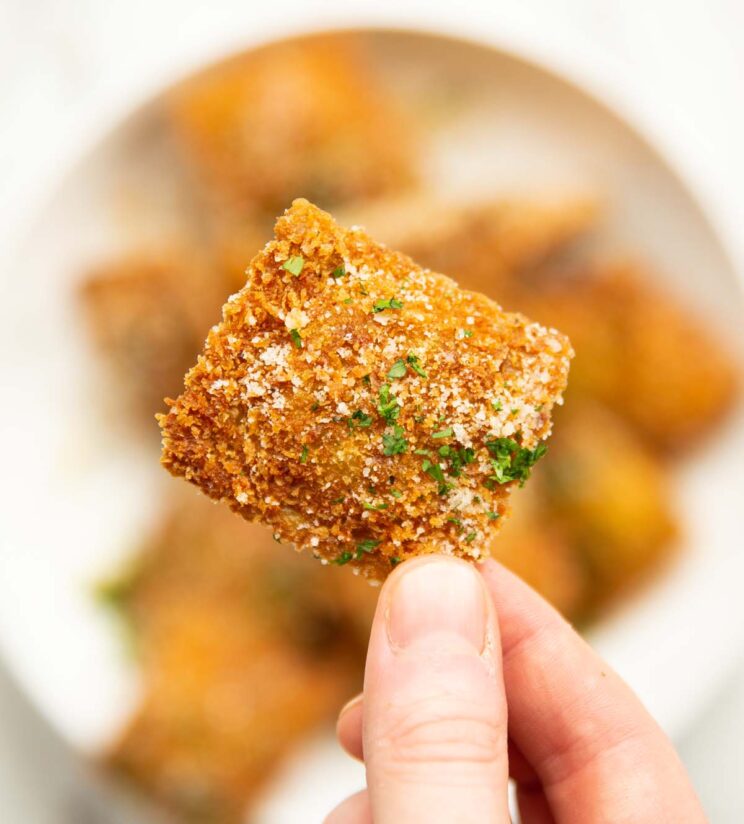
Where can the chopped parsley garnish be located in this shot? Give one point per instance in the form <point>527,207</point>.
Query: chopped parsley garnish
<point>459,458</point>
<point>343,558</point>
<point>395,560</point>
<point>366,380</point>
<point>467,333</point>
<point>470,538</point>
<point>338,272</point>
<point>394,443</point>
<point>496,406</point>
<point>413,362</point>
<point>492,515</point>
<point>386,303</point>
<point>436,472</point>
<point>348,301</point>
<point>388,405</point>
<point>374,507</point>
<point>367,545</point>
<point>305,453</point>
<point>457,522</point>
<point>396,494</point>
<point>443,433</point>
<point>445,451</point>
<point>360,419</point>
<point>397,370</point>
<point>315,407</point>
<point>294,265</point>
<point>512,462</point>
<point>296,337</point>
<point>513,410</point>
<point>422,452</point>
<point>339,500</point>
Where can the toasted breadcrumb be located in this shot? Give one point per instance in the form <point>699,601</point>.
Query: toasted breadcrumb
<point>367,409</point>
<point>243,651</point>
<point>642,353</point>
<point>300,117</point>
<point>492,246</point>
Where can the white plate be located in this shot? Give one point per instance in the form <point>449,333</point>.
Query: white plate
<point>78,494</point>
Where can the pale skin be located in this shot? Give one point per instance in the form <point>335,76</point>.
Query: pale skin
<point>472,678</point>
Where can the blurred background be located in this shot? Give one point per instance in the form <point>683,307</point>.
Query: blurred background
<point>206,167</point>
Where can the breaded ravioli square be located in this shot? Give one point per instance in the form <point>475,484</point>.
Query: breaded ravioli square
<point>365,408</point>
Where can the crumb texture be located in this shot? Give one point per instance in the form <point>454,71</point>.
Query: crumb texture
<point>365,408</point>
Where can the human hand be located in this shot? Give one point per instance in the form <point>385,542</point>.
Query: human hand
<point>451,649</point>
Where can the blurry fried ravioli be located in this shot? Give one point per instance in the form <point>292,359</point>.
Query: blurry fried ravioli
<point>365,408</point>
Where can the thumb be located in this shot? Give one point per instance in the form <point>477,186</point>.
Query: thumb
<point>435,722</point>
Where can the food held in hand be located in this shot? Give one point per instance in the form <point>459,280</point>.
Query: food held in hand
<point>365,408</point>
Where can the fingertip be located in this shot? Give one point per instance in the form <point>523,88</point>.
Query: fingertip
<point>353,810</point>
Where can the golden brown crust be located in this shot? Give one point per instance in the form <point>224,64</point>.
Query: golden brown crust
<point>295,118</point>
<point>146,313</point>
<point>243,651</point>
<point>491,246</point>
<point>641,353</point>
<point>293,431</point>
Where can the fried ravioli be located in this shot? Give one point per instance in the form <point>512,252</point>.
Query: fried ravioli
<point>367,409</point>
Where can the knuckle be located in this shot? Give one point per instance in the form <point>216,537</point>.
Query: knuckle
<point>443,729</point>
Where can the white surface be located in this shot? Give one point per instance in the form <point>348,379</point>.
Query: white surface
<point>59,53</point>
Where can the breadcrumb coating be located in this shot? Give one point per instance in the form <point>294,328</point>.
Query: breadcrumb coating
<point>491,246</point>
<point>298,117</point>
<point>642,353</point>
<point>243,652</point>
<point>146,313</point>
<point>367,409</point>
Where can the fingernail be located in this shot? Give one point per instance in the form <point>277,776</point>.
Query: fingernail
<point>433,596</point>
<point>351,704</point>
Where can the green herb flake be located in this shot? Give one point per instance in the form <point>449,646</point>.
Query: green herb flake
<point>425,452</point>
<point>443,433</point>
<point>339,500</point>
<point>305,453</point>
<point>459,458</point>
<point>360,420</point>
<point>367,380</point>
<point>386,303</point>
<point>367,545</point>
<point>457,522</point>
<point>467,333</point>
<point>512,462</point>
<point>388,405</point>
<point>397,370</point>
<point>470,538</point>
<point>294,265</point>
<point>393,443</point>
<point>343,558</point>
<point>395,560</point>
<point>338,272</point>
<point>396,494</point>
<point>496,405</point>
<point>435,471</point>
<point>492,516</point>
<point>348,301</point>
<point>374,507</point>
<point>296,337</point>
<point>413,361</point>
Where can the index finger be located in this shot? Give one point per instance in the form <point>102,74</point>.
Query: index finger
<point>598,753</point>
